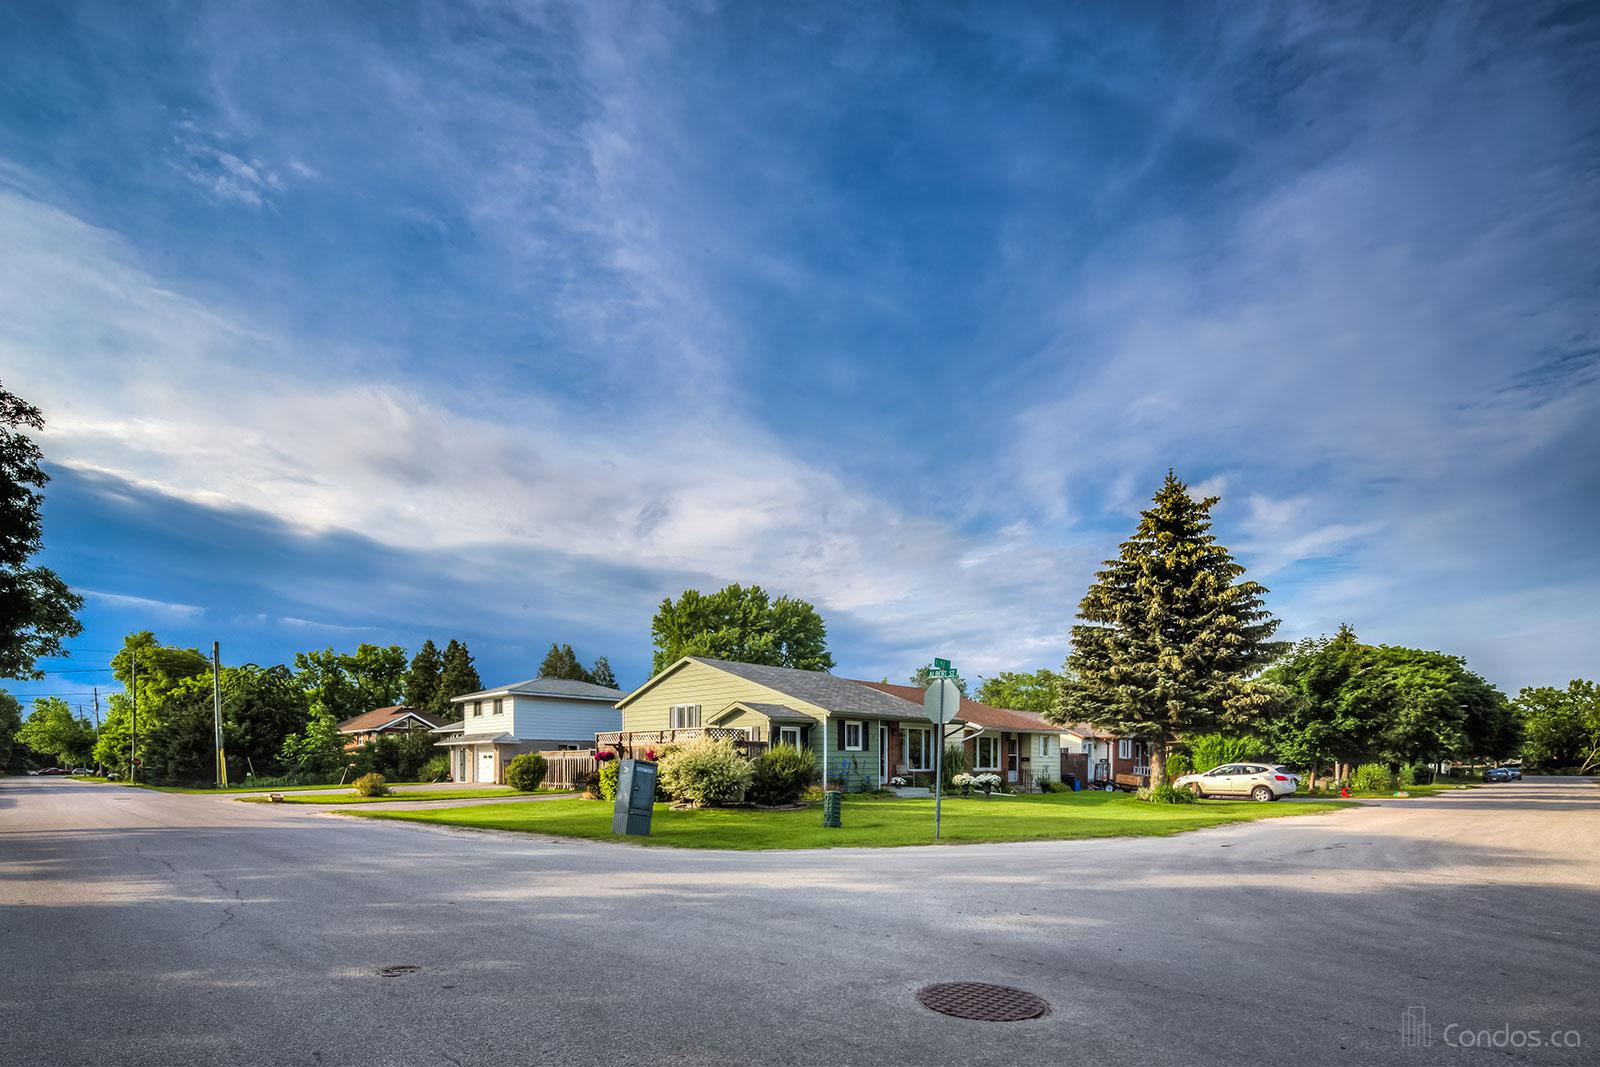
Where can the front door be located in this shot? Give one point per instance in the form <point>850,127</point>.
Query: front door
<point>1011,758</point>
<point>883,755</point>
<point>486,765</point>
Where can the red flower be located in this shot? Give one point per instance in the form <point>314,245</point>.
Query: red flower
<point>604,756</point>
<point>650,755</point>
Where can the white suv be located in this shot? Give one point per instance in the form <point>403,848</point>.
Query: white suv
<point>1258,781</point>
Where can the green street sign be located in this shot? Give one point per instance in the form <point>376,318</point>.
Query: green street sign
<point>941,664</point>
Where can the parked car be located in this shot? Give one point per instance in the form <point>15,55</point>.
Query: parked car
<point>55,771</point>
<point>1515,771</point>
<point>1258,781</point>
<point>83,770</point>
<point>1498,774</point>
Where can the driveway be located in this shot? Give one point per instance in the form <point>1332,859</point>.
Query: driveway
<point>148,928</point>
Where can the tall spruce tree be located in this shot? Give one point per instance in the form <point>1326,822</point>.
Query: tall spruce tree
<point>422,677</point>
<point>601,673</point>
<point>457,678</point>
<point>1170,634</point>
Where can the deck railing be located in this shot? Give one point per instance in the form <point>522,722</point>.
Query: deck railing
<point>633,744</point>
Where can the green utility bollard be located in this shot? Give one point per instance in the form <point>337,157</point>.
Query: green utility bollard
<point>832,803</point>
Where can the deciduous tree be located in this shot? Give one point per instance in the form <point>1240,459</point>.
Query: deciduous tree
<point>52,730</point>
<point>740,624</point>
<point>1024,690</point>
<point>1561,727</point>
<point>37,610</point>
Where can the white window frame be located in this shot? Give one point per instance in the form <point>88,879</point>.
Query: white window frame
<point>1124,749</point>
<point>927,747</point>
<point>789,735</point>
<point>1044,746</point>
<point>992,743</point>
<point>680,715</point>
<point>853,726</point>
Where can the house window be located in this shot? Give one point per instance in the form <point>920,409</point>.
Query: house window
<point>1124,749</point>
<point>498,703</point>
<point>855,735</point>
<point>988,753</point>
<point>685,716</point>
<point>754,732</point>
<point>789,735</point>
<point>918,748</point>
<point>477,707</point>
<point>1044,745</point>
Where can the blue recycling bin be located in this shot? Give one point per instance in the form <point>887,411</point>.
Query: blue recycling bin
<point>1077,786</point>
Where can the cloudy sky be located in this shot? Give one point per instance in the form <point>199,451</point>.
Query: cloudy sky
<point>375,322</point>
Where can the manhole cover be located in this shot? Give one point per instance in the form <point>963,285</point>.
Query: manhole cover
<point>981,1001</point>
<point>396,970</point>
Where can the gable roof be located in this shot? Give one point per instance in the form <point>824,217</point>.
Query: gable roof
<point>773,712</point>
<point>838,696</point>
<point>378,718</point>
<point>974,712</point>
<point>548,687</point>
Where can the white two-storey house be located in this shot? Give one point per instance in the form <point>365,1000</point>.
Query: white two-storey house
<point>539,715</point>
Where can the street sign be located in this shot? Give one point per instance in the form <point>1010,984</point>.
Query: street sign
<point>942,669</point>
<point>941,700</point>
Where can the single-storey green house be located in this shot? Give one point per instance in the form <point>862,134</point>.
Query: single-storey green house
<point>867,736</point>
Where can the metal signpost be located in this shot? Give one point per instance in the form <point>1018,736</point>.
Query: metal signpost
<point>940,702</point>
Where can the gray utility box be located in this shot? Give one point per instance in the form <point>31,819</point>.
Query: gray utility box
<point>636,795</point>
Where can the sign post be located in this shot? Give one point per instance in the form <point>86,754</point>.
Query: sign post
<point>940,702</point>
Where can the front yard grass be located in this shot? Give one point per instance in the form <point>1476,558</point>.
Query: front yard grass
<point>872,822</point>
<point>415,794</point>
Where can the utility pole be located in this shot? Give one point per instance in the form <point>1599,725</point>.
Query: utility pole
<point>216,710</point>
<point>133,741</point>
<point>97,707</point>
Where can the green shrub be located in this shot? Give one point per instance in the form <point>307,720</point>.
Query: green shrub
<point>435,770</point>
<point>1416,774</point>
<point>706,773</point>
<point>1372,778</point>
<point>371,785</point>
<point>781,775</point>
<point>1178,765</point>
<point>610,775</point>
<point>526,772</point>
<point>1213,750</point>
<point>1165,794</point>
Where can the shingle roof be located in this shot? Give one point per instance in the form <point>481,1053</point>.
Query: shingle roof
<point>840,696</point>
<point>378,718</point>
<point>974,712</point>
<point>550,687</point>
<point>774,712</point>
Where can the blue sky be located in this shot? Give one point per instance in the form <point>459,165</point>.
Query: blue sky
<point>375,322</point>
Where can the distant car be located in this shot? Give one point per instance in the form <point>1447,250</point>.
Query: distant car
<point>1515,772</point>
<point>1498,774</point>
<point>34,773</point>
<point>83,770</point>
<point>56,771</point>
<point>1258,781</point>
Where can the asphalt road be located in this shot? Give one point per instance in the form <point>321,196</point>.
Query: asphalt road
<point>146,928</point>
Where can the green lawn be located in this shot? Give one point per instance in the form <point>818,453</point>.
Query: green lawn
<point>873,822</point>
<point>414,794</point>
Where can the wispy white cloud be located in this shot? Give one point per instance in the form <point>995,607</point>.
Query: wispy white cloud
<point>143,604</point>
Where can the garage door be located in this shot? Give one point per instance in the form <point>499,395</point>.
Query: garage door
<point>486,766</point>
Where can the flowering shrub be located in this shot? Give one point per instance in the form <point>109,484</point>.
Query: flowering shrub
<point>604,755</point>
<point>706,773</point>
<point>371,785</point>
<point>650,755</point>
<point>898,781</point>
<point>963,780</point>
